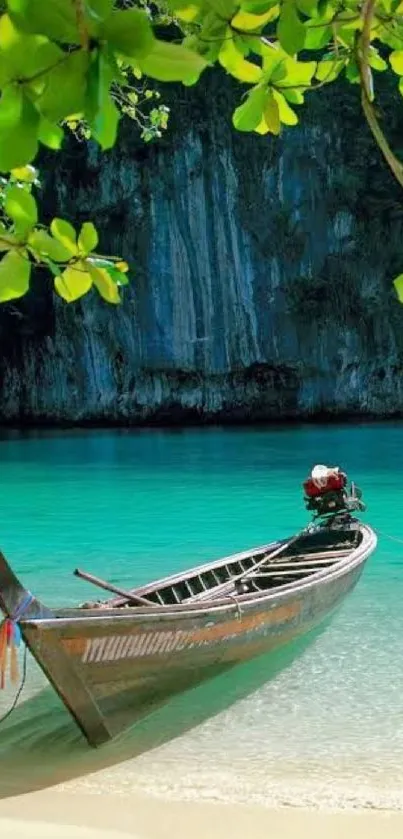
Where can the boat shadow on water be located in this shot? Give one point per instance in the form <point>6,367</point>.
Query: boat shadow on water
<point>40,746</point>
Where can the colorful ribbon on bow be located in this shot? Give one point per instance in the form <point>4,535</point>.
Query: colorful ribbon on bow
<point>10,640</point>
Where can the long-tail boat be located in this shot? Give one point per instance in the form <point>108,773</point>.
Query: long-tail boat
<point>113,662</point>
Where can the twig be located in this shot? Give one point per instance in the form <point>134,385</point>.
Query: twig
<point>81,24</point>
<point>363,43</point>
<point>45,70</point>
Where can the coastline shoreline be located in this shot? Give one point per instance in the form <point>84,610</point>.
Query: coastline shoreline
<point>182,423</point>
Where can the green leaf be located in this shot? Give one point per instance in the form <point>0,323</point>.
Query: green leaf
<point>318,34</point>
<point>324,8</point>
<point>10,106</point>
<point>64,232</point>
<point>70,77</point>
<point>74,282</point>
<point>172,63</point>
<point>352,71</point>
<point>122,266</point>
<point>247,22</point>
<point>291,72</point>
<point>235,63</point>
<point>349,20</point>
<point>187,11</point>
<point>401,87</point>
<point>316,39</point>
<point>376,61</point>
<point>129,32</point>
<point>286,114</point>
<point>88,238</point>
<point>50,134</point>
<point>23,56</point>
<point>398,284</point>
<point>15,272</point>
<point>21,207</point>
<point>7,239</point>
<point>346,37</point>
<point>55,269</point>
<point>54,18</point>
<point>104,283</point>
<point>242,45</point>
<point>210,37</point>
<point>101,111</point>
<point>296,97</point>
<point>330,68</point>
<point>273,59</point>
<point>256,7</point>
<point>19,140</point>
<point>309,8</point>
<point>26,174</point>
<point>118,276</point>
<point>271,121</point>
<point>396,60</point>
<point>44,245</point>
<point>223,8</point>
<point>98,10</point>
<point>248,115</point>
<point>290,31</point>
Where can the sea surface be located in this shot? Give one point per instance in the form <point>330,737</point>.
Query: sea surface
<point>327,731</point>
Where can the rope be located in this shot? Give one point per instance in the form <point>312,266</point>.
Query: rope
<point>237,605</point>
<point>10,640</point>
<point>387,536</point>
<point>20,689</point>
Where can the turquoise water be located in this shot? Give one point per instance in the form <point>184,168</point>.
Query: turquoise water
<point>132,505</point>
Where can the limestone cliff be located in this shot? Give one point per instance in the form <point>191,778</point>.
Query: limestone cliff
<point>262,281</point>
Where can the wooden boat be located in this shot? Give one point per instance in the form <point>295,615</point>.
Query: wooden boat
<point>113,662</point>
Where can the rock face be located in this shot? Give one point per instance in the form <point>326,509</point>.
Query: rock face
<point>262,276</point>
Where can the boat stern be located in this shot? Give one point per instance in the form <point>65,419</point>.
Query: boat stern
<point>16,602</point>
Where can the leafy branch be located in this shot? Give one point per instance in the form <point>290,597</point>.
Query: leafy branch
<point>83,65</point>
<point>72,260</point>
<point>363,43</point>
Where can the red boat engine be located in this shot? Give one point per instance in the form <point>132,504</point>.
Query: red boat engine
<point>326,492</point>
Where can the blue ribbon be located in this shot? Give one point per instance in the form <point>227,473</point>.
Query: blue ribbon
<point>17,634</point>
<point>22,607</point>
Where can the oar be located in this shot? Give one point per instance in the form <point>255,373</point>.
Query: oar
<point>128,595</point>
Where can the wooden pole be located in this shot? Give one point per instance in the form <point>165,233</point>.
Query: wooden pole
<point>128,595</point>
<point>244,574</point>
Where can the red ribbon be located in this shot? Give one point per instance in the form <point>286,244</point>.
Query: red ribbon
<point>8,652</point>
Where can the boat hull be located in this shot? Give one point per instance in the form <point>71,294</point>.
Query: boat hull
<point>113,665</point>
<point>112,671</point>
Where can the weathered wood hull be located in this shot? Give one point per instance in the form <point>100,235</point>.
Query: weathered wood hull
<point>113,667</point>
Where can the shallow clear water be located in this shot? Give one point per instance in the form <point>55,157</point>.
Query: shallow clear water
<point>130,506</point>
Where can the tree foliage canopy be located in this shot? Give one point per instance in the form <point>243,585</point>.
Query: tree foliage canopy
<point>79,65</point>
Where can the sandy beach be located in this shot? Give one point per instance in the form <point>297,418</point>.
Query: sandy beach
<point>61,815</point>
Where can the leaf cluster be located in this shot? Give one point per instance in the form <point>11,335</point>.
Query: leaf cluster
<point>82,64</point>
<point>72,259</point>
